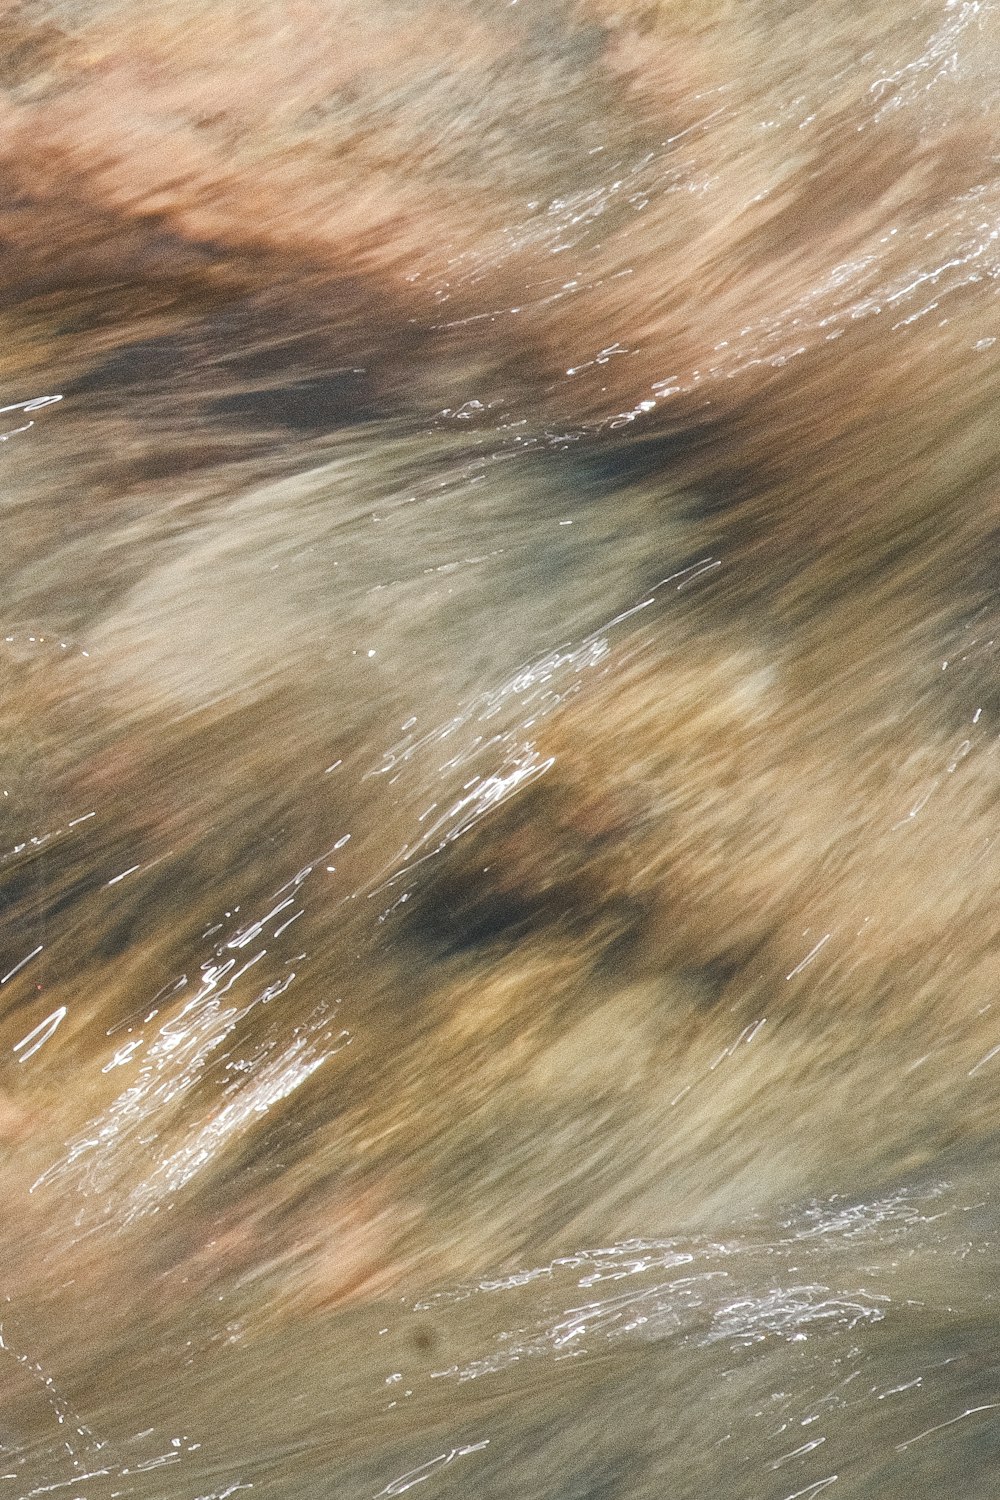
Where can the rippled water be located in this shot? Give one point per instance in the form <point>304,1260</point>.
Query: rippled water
<point>774,1365</point>
<point>498,868</point>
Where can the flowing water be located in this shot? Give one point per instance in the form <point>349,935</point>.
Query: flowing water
<point>498,681</point>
